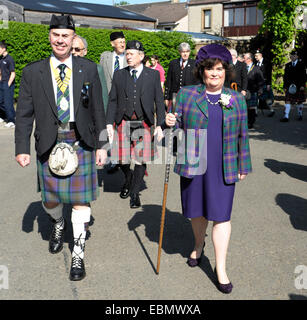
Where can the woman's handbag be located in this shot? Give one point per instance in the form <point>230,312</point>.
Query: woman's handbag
<point>63,159</point>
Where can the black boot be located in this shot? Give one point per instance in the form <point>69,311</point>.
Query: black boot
<point>57,236</point>
<point>138,175</point>
<point>125,191</point>
<point>77,270</point>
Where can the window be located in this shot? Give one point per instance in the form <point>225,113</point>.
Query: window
<point>207,19</point>
<point>239,17</point>
<point>251,16</point>
<point>228,17</point>
<point>259,16</point>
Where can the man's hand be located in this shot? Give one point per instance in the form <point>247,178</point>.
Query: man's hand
<point>101,156</point>
<point>110,130</point>
<point>170,119</point>
<point>243,92</point>
<point>166,102</point>
<point>23,159</point>
<point>159,133</point>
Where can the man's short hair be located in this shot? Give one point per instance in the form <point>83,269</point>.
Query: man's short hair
<point>83,40</point>
<point>3,45</point>
<point>184,46</point>
<point>250,55</point>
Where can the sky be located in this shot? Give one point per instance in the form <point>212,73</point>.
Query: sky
<point>110,2</point>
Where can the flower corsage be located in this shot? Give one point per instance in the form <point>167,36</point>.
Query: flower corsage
<point>226,101</point>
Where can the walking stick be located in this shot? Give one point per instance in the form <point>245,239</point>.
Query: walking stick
<point>167,171</point>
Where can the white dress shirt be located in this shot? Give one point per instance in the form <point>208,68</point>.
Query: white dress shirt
<point>121,60</point>
<point>139,70</point>
<point>55,63</point>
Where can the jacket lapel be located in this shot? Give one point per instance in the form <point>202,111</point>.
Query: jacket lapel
<point>201,101</point>
<point>226,112</point>
<point>48,85</point>
<point>78,80</point>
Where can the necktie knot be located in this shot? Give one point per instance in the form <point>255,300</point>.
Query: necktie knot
<point>182,64</point>
<point>62,68</point>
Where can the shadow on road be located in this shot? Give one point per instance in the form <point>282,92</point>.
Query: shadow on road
<point>292,133</point>
<point>296,171</point>
<point>177,235</point>
<point>293,296</point>
<point>113,182</point>
<point>295,207</point>
<point>35,212</point>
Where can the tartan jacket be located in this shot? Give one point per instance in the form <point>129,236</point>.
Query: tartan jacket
<point>192,109</point>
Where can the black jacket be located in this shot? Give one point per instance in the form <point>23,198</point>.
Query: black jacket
<point>150,95</point>
<point>255,80</point>
<point>296,75</point>
<point>37,102</point>
<point>177,78</point>
<point>266,70</point>
<point>240,76</point>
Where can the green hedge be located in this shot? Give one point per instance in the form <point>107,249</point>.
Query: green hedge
<point>29,42</point>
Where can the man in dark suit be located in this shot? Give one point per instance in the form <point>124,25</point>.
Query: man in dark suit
<point>63,95</point>
<point>294,86</point>
<point>179,74</point>
<point>255,84</point>
<point>136,90</point>
<point>240,73</point>
<point>267,98</point>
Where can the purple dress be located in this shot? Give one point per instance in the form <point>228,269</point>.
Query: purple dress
<point>208,195</point>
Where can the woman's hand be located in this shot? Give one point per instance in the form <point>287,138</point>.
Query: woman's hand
<point>159,133</point>
<point>110,131</point>
<point>170,119</point>
<point>242,176</point>
<point>101,157</point>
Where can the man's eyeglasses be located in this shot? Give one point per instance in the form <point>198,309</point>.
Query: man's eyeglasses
<point>77,49</point>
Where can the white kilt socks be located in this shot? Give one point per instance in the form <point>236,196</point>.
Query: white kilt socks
<point>299,109</point>
<point>287,110</point>
<point>80,220</point>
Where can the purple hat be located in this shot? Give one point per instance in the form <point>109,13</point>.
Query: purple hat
<point>213,51</point>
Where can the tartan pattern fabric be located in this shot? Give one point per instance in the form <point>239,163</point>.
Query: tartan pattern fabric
<point>125,148</point>
<point>78,188</point>
<point>63,115</point>
<point>253,101</point>
<point>299,97</point>
<point>134,75</point>
<point>192,109</point>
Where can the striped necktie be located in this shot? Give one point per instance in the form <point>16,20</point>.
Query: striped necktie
<point>134,75</point>
<point>116,64</point>
<point>63,95</point>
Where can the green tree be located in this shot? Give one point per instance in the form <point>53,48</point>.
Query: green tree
<point>280,29</point>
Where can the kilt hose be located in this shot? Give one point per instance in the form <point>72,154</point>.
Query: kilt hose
<point>297,98</point>
<point>133,144</point>
<point>77,188</point>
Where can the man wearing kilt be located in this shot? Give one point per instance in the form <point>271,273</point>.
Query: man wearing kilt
<point>255,83</point>
<point>63,95</point>
<point>294,86</point>
<point>135,92</point>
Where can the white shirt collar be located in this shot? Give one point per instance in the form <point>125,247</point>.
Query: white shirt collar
<point>57,62</point>
<point>139,70</point>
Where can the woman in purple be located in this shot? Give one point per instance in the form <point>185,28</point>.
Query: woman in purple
<point>218,116</point>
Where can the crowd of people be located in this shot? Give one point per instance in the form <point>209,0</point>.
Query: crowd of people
<point>73,101</point>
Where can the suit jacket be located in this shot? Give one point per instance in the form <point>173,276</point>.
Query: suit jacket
<point>192,109</point>
<point>266,70</point>
<point>150,95</point>
<point>255,80</point>
<point>37,102</point>
<point>296,75</point>
<point>174,81</point>
<point>106,61</point>
<point>241,75</point>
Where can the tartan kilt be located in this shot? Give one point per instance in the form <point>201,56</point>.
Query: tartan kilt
<point>299,97</point>
<point>77,188</point>
<point>253,101</point>
<point>140,148</point>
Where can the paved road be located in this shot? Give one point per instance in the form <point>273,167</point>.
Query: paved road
<point>269,231</point>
